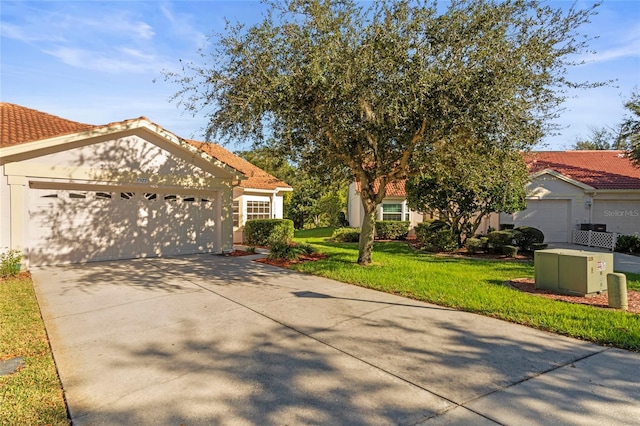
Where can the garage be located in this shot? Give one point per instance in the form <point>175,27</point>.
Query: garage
<point>73,226</point>
<point>552,217</point>
<point>74,193</point>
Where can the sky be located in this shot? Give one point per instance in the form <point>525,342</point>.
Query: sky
<point>98,62</point>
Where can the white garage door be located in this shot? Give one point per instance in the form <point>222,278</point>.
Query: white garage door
<point>80,226</point>
<point>552,217</point>
<point>620,216</point>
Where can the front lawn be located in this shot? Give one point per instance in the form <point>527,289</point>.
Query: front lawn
<point>471,285</point>
<point>32,395</point>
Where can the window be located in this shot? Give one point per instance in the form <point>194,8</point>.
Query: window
<point>103,196</point>
<point>126,195</point>
<point>258,210</point>
<point>171,198</point>
<point>150,196</point>
<point>189,200</point>
<point>392,212</point>
<point>236,214</point>
<point>75,195</point>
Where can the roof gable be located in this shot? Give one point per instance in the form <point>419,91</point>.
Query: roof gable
<point>21,126</point>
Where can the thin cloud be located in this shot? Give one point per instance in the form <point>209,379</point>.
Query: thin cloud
<point>120,60</point>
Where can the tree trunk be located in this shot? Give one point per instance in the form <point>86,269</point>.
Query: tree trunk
<point>367,233</point>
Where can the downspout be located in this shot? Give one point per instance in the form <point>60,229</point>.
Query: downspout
<point>273,204</point>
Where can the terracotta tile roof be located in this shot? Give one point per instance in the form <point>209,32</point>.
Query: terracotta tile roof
<point>599,169</point>
<point>393,189</point>
<point>19,125</point>
<point>256,177</point>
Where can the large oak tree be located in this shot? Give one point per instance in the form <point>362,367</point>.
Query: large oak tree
<point>367,89</point>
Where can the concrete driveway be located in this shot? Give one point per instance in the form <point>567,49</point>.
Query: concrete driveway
<point>224,340</point>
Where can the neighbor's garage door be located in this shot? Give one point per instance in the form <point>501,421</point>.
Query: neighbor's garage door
<point>79,226</point>
<point>552,217</point>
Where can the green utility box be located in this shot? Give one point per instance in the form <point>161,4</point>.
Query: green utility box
<point>574,272</point>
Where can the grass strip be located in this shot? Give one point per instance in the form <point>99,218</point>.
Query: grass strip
<point>474,286</point>
<point>33,394</point>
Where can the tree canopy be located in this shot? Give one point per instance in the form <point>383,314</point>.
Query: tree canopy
<point>463,188</point>
<point>368,91</point>
<point>630,127</point>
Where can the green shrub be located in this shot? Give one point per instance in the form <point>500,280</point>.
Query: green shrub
<point>280,234</point>
<point>538,246</point>
<point>392,229</point>
<point>527,237</point>
<point>499,239</point>
<point>435,237</point>
<point>346,235</point>
<point>628,244</point>
<point>438,224</point>
<point>283,251</point>
<point>474,245</point>
<point>305,248</point>
<point>257,231</point>
<point>10,263</point>
<point>428,227</point>
<point>511,251</point>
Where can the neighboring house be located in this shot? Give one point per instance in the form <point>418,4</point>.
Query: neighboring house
<point>72,192</point>
<point>567,189</point>
<point>572,188</point>
<point>393,207</point>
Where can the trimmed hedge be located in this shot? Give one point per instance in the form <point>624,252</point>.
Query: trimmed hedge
<point>527,237</point>
<point>511,251</point>
<point>346,235</point>
<point>475,245</point>
<point>499,239</point>
<point>392,229</point>
<point>257,231</point>
<point>435,237</point>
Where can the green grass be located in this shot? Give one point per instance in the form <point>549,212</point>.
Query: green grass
<point>32,395</point>
<point>471,285</point>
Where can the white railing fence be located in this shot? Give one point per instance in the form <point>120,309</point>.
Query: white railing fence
<point>596,239</point>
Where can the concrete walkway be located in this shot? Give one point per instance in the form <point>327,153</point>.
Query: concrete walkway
<point>621,262</point>
<point>223,340</point>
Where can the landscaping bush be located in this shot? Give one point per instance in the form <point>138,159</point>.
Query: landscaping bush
<point>257,231</point>
<point>346,235</point>
<point>305,248</point>
<point>392,229</point>
<point>499,239</point>
<point>511,251</point>
<point>434,237</point>
<point>10,263</point>
<point>628,244</point>
<point>527,237</point>
<point>474,245</point>
<point>538,246</point>
<point>280,243</point>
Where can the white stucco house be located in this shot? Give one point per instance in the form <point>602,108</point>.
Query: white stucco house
<point>567,191</point>
<point>72,192</point>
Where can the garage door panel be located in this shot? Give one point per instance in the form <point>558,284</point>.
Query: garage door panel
<point>71,227</point>
<point>552,217</point>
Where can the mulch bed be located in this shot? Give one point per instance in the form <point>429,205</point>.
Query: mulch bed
<point>527,285</point>
<point>239,253</point>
